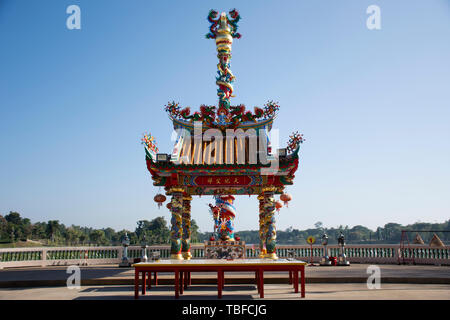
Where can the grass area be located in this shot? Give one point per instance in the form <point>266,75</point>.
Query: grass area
<point>21,244</point>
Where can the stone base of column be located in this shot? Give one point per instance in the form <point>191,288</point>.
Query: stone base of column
<point>262,254</point>
<point>187,255</point>
<point>125,263</point>
<point>176,256</point>
<point>272,256</point>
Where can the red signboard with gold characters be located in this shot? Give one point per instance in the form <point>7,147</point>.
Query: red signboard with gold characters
<point>222,180</point>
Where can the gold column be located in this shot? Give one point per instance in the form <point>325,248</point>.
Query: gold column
<point>269,222</point>
<point>262,231</point>
<point>176,221</point>
<point>186,225</point>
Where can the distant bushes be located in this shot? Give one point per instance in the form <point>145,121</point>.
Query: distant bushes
<point>14,228</point>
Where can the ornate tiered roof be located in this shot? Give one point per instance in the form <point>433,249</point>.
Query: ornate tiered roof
<point>223,149</point>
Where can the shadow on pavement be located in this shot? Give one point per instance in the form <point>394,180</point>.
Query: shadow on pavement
<point>169,288</point>
<point>167,297</point>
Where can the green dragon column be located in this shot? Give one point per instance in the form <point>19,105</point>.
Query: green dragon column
<point>262,228</point>
<point>223,29</point>
<point>186,224</point>
<point>176,221</point>
<point>269,221</point>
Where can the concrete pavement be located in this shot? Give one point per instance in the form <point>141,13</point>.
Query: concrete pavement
<point>316,291</point>
<point>113,275</point>
<point>110,282</point>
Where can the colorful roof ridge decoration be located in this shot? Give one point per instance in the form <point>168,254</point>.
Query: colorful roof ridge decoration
<point>235,117</point>
<point>149,142</point>
<point>294,142</point>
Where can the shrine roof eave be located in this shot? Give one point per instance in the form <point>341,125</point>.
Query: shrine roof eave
<point>170,167</point>
<point>183,166</point>
<point>166,168</point>
<point>169,174</point>
<point>248,191</point>
<point>204,182</point>
<point>284,164</point>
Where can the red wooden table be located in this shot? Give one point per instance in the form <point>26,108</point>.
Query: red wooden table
<point>182,270</point>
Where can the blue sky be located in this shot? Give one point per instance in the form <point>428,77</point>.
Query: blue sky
<point>373,105</point>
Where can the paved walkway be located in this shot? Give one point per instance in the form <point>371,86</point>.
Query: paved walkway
<point>110,282</point>
<point>112,275</point>
<point>347,291</point>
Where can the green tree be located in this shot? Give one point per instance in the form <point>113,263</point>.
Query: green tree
<point>98,237</point>
<point>72,236</point>
<point>318,225</point>
<point>14,218</point>
<point>194,232</point>
<point>110,235</point>
<point>393,232</point>
<point>52,230</point>
<point>82,238</point>
<point>27,228</point>
<point>155,231</point>
<point>3,228</point>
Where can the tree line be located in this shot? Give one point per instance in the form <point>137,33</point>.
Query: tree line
<point>390,233</point>
<point>14,228</point>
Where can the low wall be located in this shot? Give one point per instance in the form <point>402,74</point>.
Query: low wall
<point>376,254</point>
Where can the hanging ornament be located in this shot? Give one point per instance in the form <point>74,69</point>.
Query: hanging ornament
<point>278,205</point>
<point>169,205</point>
<point>159,198</point>
<point>286,197</point>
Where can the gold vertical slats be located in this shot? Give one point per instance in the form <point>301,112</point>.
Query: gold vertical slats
<point>236,150</point>
<point>208,158</point>
<point>219,150</point>
<point>198,150</point>
<point>185,153</point>
<point>193,152</point>
<point>241,151</point>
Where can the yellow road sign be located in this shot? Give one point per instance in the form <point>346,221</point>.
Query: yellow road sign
<point>310,239</point>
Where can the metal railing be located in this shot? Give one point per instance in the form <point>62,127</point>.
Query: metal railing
<point>56,256</point>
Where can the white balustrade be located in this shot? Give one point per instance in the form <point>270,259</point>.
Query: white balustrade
<point>380,254</point>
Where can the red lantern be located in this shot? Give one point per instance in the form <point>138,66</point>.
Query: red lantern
<point>159,198</point>
<point>278,205</point>
<point>286,197</point>
<point>169,205</point>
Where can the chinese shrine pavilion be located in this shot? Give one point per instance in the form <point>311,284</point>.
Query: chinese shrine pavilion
<point>223,150</point>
